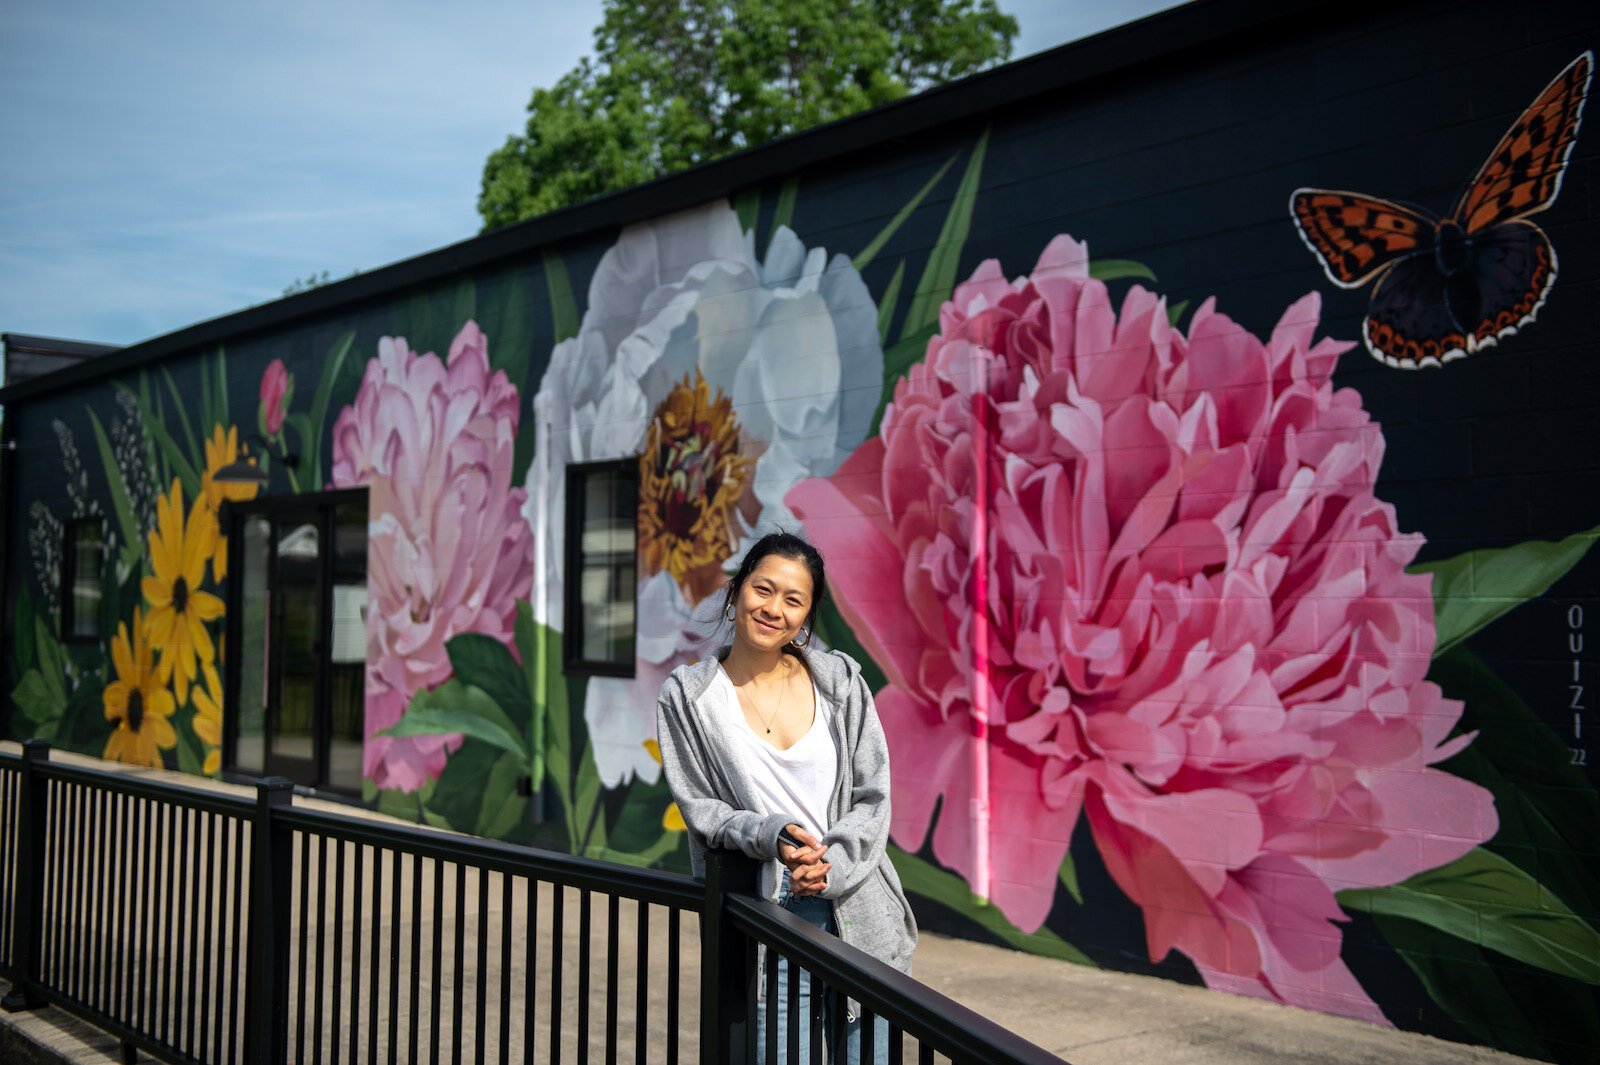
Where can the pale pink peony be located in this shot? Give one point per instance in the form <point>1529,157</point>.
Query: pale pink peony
<point>275,385</point>
<point>1202,634</point>
<point>448,551</point>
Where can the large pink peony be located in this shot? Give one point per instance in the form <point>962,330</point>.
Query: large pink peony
<point>448,551</point>
<point>1202,635</point>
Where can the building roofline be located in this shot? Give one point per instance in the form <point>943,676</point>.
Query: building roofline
<point>1192,27</point>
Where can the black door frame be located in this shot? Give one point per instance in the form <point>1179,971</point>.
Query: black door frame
<point>315,508</point>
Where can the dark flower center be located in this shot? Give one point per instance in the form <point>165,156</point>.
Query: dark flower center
<point>135,710</point>
<point>180,594</point>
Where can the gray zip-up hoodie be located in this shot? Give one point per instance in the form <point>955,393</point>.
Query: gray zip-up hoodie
<point>714,793</point>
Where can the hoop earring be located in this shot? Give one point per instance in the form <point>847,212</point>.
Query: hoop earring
<point>802,639</point>
<point>727,614</point>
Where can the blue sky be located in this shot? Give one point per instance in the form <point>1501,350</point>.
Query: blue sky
<point>172,160</point>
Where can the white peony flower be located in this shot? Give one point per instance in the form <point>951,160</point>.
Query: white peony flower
<point>734,379</point>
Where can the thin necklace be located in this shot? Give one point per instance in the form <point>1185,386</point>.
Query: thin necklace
<point>750,693</point>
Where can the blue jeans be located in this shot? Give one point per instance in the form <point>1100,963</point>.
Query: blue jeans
<point>819,913</point>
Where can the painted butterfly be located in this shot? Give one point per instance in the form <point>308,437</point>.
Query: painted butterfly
<point>1447,287</point>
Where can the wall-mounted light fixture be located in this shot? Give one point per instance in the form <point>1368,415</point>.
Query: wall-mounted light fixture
<point>244,470</point>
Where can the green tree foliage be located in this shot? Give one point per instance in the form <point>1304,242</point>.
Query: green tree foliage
<point>680,82</point>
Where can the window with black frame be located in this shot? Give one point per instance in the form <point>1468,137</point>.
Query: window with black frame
<point>82,557</point>
<point>601,567</point>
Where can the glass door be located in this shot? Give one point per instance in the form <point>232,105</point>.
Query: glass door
<point>297,614</point>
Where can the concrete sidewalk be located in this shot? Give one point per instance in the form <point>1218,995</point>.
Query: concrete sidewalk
<point>1085,1016</point>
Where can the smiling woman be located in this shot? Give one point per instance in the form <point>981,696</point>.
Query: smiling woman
<point>774,748</point>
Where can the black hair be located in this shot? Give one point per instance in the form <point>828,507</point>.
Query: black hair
<point>784,545</point>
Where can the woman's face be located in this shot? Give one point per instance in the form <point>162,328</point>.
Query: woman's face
<point>772,604</point>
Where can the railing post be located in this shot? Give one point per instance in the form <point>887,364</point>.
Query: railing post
<point>27,919</point>
<point>727,961</point>
<point>267,961</point>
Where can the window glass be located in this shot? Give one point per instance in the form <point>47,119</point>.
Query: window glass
<point>85,549</point>
<point>602,539</point>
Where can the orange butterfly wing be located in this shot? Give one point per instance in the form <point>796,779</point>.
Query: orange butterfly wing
<point>1523,173</point>
<point>1356,236</point>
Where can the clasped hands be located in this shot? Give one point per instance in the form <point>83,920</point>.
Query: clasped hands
<point>808,873</point>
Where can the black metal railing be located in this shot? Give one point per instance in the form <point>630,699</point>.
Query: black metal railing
<point>202,924</point>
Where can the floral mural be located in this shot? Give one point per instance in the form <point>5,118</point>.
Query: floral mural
<point>1202,637</point>
<point>448,552</point>
<point>732,378</point>
<point>1187,658</point>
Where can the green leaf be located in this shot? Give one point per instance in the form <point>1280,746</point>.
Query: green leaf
<point>183,416</point>
<point>177,461</point>
<point>891,296</point>
<point>876,244</point>
<point>563,308</point>
<point>132,542</point>
<point>207,413</point>
<point>457,797</point>
<point>783,213</point>
<point>1117,269</point>
<point>463,709</point>
<point>1484,899</point>
<point>529,637</point>
<point>1547,806</point>
<point>638,824</point>
<point>939,276</point>
<point>503,809</point>
<point>952,892</point>
<point>508,321</point>
<point>1068,874</point>
<point>191,759</point>
<point>484,662</point>
<point>1175,312</point>
<point>220,413</point>
<point>52,663</point>
<point>35,699</point>
<point>312,459</point>
<point>586,805</point>
<point>1473,589</point>
<point>404,805</point>
<point>747,205</point>
<point>1524,1012</point>
<point>83,727</point>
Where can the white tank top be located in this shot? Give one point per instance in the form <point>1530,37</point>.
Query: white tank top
<point>795,783</point>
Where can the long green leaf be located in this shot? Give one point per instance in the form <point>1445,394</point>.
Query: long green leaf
<point>563,308</point>
<point>1548,808</point>
<point>875,245</point>
<point>529,637</point>
<point>1116,269</point>
<point>221,412</point>
<point>132,545</point>
<point>503,809</point>
<point>1471,590</point>
<point>1482,898</point>
<point>208,415</point>
<point>747,205</point>
<point>939,276</point>
<point>783,213</point>
<point>319,405</point>
<point>1493,1003</point>
<point>951,891</point>
<point>183,415</point>
<point>460,709</point>
<point>886,305</point>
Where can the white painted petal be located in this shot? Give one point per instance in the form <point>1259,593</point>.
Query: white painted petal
<point>621,714</point>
